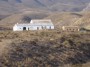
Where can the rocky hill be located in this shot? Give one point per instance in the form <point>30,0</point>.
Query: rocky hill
<point>14,6</point>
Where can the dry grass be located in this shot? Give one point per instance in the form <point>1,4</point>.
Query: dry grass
<point>44,49</point>
<point>48,48</point>
<point>76,19</point>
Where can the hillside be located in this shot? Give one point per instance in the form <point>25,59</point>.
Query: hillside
<point>44,49</point>
<point>24,17</point>
<point>84,21</point>
<point>64,18</point>
<point>59,19</point>
<point>75,19</point>
<point>87,8</point>
<point>14,6</point>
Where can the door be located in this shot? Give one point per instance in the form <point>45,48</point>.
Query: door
<point>24,28</point>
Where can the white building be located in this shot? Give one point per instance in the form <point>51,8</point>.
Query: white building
<point>34,25</point>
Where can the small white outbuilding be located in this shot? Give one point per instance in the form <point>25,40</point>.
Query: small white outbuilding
<point>34,25</point>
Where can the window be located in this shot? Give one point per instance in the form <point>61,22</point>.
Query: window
<point>50,27</point>
<point>37,28</point>
<point>70,29</point>
<point>42,27</point>
<point>28,28</point>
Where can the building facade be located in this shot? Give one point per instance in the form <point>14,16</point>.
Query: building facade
<point>71,28</point>
<point>34,25</point>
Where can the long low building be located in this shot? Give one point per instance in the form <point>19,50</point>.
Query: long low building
<point>34,25</point>
<point>71,28</point>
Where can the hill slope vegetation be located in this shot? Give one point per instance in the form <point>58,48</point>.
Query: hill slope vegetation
<point>44,49</point>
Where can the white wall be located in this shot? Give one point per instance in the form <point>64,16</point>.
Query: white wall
<point>20,28</point>
<point>52,27</point>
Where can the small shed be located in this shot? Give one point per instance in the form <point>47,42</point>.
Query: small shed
<point>71,28</point>
<point>34,25</point>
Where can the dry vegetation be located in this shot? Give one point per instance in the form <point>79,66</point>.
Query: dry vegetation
<point>75,19</point>
<point>44,49</point>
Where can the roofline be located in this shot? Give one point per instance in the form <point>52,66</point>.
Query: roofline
<point>41,19</point>
<point>70,26</point>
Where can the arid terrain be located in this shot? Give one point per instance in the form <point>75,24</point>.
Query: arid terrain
<point>50,48</point>
<point>45,48</point>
